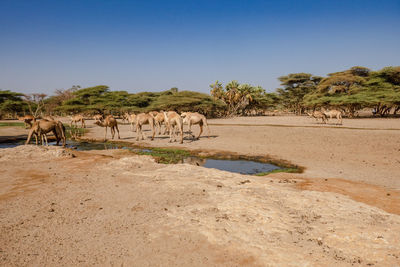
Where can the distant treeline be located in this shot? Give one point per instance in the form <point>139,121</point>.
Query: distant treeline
<point>349,90</point>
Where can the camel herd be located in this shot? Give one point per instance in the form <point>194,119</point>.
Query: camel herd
<point>324,114</point>
<point>170,120</point>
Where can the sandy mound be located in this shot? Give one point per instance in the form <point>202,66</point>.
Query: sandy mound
<point>33,152</point>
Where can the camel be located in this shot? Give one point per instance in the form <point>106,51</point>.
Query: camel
<point>318,115</point>
<point>27,119</point>
<point>192,118</point>
<point>131,118</point>
<point>173,119</point>
<point>140,120</point>
<point>111,122</point>
<point>159,120</point>
<point>60,130</point>
<point>42,127</point>
<point>76,118</point>
<point>98,117</point>
<point>334,113</point>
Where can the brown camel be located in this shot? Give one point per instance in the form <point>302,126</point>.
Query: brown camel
<point>60,130</point>
<point>27,119</point>
<point>192,118</point>
<point>75,119</point>
<point>318,115</point>
<point>173,120</point>
<point>140,120</point>
<point>42,127</point>
<point>111,122</point>
<point>334,113</point>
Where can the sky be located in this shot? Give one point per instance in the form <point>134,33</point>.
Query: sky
<point>153,45</point>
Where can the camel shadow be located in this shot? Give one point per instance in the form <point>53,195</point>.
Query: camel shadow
<point>193,138</point>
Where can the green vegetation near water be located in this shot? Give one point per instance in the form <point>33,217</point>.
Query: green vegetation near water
<point>13,124</point>
<point>288,170</point>
<point>166,155</point>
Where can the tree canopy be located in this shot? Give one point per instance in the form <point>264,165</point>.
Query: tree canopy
<point>240,98</point>
<point>295,87</point>
<point>11,102</point>
<point>349,90</point>
<point>358,88</point>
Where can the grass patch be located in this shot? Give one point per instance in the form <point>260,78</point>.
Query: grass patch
<point>72,133</point>
<point>288,170</point>
<point>14,124</point>
<point>166,155</point>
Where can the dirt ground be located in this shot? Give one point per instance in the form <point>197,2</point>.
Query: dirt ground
<point>63,207</point>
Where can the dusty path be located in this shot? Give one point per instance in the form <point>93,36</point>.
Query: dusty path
<point>364,150</point>
<point>115,208</point>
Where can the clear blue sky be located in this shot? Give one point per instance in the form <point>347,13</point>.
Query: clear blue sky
<point>156,45</point>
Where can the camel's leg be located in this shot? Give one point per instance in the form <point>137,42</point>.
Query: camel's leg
<point>30,136</point>
<point>116,127</point>
<point>151,122</point>
<point>105,134</point>
<point>181,132</point>
<point>36,139</point>
<point>166,128</point>
<point>112,132</point>
<point>41,139</point>
<point>190,130</point>
<point>45,139</point>
<point>137,131</point>
<point>208,128</point>
<point>171,132</point>
<point>83,123</point>
<point>201,130</point>
<point>157,127</point>
<point>141,131</point>
<point>174,132</point>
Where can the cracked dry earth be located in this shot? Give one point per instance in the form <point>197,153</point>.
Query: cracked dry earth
<point>63,208</point>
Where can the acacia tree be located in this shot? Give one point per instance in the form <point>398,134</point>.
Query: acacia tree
<point>382,91</point>
<point>237,97</point>
<point>295,87</point>
<point>11,103</point>
<point>359,87</point>
<point>35,103</point>
<point>61,95</point>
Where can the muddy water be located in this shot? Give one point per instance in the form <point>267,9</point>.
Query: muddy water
<point>237,166</point>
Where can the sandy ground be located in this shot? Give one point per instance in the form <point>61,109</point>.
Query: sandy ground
<point>62,207</point>
<point>126,210</point>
